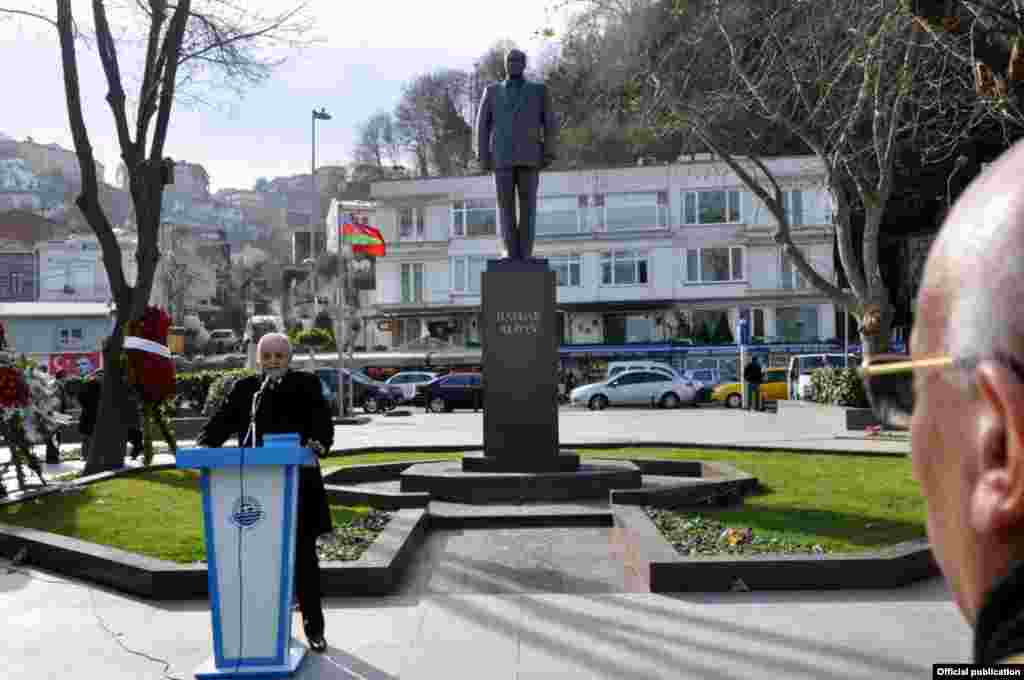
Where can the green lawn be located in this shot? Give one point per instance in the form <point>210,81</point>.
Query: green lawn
<point>844,503</point>
<point>156,514</point>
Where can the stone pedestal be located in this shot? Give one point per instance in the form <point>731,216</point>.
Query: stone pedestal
<point>520,363</point>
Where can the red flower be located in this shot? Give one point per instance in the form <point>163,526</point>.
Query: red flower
<point>13,388</point>
<point>154,325</point>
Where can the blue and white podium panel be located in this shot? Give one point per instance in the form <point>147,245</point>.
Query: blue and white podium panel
<point>250,499</point>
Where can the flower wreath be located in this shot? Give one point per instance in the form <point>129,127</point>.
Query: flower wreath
<point>149,369</point>
<point>29,413</point>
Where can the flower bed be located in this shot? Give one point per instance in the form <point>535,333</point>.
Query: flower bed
<point>696,535</point>
<point>349,541</point>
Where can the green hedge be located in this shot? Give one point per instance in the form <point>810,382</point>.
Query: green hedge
<point>201,386</point>
<point>319,338</point>
<point>839,387</point>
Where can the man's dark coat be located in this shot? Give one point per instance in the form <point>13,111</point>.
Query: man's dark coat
<point>295,405</point>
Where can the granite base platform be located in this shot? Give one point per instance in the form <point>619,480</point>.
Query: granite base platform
<point>564,461</point>
<point>448,481</point>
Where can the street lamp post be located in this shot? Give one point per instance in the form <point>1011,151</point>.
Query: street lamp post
<point>315,218</point>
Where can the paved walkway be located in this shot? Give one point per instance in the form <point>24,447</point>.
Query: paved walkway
<point>57,629</point>
<point>710,426</point>
<point>519,603</point>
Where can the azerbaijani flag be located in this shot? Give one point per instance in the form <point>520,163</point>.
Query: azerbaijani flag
<point>364,239</point>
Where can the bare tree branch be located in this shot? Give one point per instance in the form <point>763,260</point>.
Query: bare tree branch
<point>88,200</point>
<point>115,94</point>
<point>33,15</point>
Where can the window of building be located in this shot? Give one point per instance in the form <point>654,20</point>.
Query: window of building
<point>758,330</point>
<point>408,331</point>
<point>711,207</point>
<point>567,269</point>
<point>624,267</point>
<point>791,278</point>
<point>623,328</point>
<point>412,283</point>
<point>714,265</point>
<point>411,223</point>
<point>711,327</point>
<point>466,271</point>
<point>632,211</point>
<point>557,215</point>
<point>797,324</point>
<point>475,217</point>
<point>17,283</point>
<point>71,337</point>
<point>794,204</point>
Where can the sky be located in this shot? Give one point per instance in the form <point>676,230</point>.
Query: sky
<point>368,51</point>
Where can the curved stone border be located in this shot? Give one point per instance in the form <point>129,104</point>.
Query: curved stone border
<point>669,572</point>
<point>376,572</point>
<point>380,568</point>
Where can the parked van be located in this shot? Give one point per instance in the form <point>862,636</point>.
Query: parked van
<point>616,367</point>
<point>801,366</point>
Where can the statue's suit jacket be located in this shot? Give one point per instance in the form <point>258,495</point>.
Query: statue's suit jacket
<point>516,128</point>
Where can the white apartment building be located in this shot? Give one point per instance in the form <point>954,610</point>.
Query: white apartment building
<point>645,254</point>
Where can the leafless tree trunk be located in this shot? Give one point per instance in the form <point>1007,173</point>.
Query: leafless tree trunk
<point>182,41</point>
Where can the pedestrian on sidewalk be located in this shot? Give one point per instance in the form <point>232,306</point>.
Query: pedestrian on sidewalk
<point>962,396</point>
<point>754,376</point>
<point>89,399</point>
<point>53,442</point>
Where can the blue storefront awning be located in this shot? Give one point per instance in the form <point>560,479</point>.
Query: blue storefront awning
<point>640,349</point>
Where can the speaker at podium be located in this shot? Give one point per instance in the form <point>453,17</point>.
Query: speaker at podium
<point>250,498</point>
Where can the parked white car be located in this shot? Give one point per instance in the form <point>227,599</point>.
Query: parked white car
<point>407,381</point>
<point>617,367</point>
<point>636,388</point>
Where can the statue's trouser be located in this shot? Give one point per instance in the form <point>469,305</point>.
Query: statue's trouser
<point>517,235</point>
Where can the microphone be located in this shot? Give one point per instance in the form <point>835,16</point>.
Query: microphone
<point>269,382</point>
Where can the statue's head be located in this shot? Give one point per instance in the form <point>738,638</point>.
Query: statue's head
<point>515,63</point>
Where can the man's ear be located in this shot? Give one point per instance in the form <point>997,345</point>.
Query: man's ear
<point>997,496</point>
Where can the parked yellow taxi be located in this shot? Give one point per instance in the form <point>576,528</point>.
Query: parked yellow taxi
<point>774,387</point>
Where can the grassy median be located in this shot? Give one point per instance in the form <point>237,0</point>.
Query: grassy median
<point>154,513</point>
<point>841,503</point>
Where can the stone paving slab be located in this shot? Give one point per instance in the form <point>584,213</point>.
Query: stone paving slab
<point>891,634</point>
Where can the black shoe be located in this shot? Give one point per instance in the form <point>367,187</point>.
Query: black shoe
<point>317,643</point>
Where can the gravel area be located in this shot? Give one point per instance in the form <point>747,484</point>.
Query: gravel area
<point>348,542</point>
<point>694,535</point>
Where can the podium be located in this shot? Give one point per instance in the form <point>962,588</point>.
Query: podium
<point>250,499</point>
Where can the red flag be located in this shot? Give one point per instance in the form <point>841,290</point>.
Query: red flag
<point>364,239</point>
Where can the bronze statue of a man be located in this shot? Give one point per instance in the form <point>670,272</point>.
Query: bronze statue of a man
<point>515,134</point>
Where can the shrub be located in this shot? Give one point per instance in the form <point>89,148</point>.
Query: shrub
<point>839,387</point>
<point>221,386</point>
<point>196,387</point>
<point>318,338</point>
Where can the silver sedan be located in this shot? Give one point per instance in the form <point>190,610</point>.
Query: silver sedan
<point>636,388</point>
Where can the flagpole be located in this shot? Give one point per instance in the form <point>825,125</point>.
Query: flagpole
<point>340,339</point>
